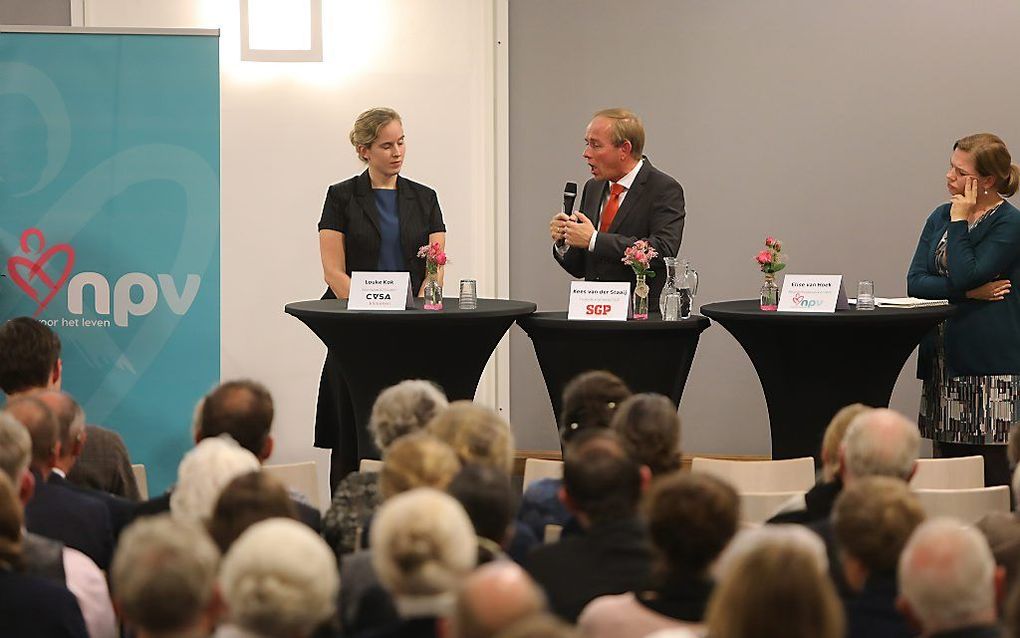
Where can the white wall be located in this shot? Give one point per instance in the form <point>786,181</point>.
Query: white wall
<point>284,131</point>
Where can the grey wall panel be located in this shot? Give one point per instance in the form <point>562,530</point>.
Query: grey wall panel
<point>826,124</point>
<point>36,12</point>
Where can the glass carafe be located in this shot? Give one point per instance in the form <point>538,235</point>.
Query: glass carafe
<point>687,286</point>
<point>669,299</point>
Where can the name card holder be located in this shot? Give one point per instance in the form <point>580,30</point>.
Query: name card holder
<point>380,291</point>
<point>813,293</point>
<point>599,301</point>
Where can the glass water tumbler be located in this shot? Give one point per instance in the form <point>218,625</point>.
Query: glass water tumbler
<point>866,295</point>
<point>468,294</point>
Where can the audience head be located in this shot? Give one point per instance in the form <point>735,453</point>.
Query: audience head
<point>880,442</point>
<point>423,546</point>
<point>833,438</point>
<point>991,160</point>
<point>404,408</point>
<point>70,425</point>
<point>280,580</point>
<point>244,410</point>
<point>42,427</point>
<point>246,500</point>
<point>203,473</point>
<point>477,434</point>
<point>11,522</point>
<point>493,598</point>
<point>29,356</point>
<point>15,449</point>
<point>947,577</point>
<point>486,495</point>
<point>774,582</point>
<point>163,577</point>
<point>589,401</point>
<point>601,482</point>
<point>691,519</point>
<point>417,460</point>
<point>872,520</point>
<point>649,427</point>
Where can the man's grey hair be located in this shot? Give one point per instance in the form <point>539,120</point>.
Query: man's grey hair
<point>881,442</point>
<point>15,448</point>
<point>69,414</point>
<point>204,472</point>
<point>163,574</point>
<point>947,574</point>
<point>404,408</point>
<point>279,578</point>
<point>749,540</point>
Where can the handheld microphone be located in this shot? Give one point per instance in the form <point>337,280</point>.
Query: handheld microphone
<point>569,194</point>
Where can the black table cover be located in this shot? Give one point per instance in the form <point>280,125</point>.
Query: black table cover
<point>650,355</point>
<point>377,349</point>
<point>811,365</point>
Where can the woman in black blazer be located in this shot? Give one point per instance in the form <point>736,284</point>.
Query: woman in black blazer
<point>374,221</point>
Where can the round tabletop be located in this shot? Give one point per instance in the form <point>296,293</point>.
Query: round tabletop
<point>654,323</point>
<point>337,310</point>
<point>749,310</point>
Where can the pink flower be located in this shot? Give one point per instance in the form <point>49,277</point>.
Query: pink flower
<point>770,241</point>
<point>777,247</point>
<point>764,257</point>
<point>441,259</point>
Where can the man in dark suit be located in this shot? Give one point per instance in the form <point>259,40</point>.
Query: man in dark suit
<point>626,199</point>
<point>601,487</point>
<point>71,436</point>
<point>243,410</point>
<point>78,520</point>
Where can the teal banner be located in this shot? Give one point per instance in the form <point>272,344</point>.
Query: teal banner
<point>109,223</point>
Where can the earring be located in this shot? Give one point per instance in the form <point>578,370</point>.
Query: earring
<point>986,192</point>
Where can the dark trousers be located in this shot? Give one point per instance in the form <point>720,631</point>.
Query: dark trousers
<point>996,461</point>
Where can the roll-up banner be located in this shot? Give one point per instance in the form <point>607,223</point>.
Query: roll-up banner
<point>110,218</point>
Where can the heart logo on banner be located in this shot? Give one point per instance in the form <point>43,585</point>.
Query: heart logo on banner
<point>23,271</point>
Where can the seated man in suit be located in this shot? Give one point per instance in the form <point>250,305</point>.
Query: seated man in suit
<point>626,199</point>
<point>71,437</point>
<point>30,361</point>
<point>78,520</point>
<point>602,486</point>
<point>242,409</point>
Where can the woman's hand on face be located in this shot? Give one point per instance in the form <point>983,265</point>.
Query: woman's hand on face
<point>964,205</point>
<point>992,291</point>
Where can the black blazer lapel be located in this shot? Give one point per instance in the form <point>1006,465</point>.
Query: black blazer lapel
<point>366,199</point>
<point>409,209</point>
<point>634,195</point>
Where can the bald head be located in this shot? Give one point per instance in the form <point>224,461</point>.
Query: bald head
<point>70,424</point>
<point>947,576</point>
<point>880,442</point>
<point>494,597</point>
<point>42,427</point>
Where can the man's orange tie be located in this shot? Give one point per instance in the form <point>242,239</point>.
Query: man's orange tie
<point>612,205</point>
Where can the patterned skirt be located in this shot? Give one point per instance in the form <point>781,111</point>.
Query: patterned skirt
<point>978,410</point>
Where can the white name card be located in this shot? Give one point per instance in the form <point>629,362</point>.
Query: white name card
<point>380,291</point>
<point>599,301</point>
<point>813,293</point>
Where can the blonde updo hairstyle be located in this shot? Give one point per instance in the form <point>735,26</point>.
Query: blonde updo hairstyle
<point>367,126</point>
<point>417,460</point>
<point>992,159</point>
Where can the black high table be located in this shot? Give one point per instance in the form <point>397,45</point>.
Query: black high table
<point>811,365</point>
<point>377,349</point>
<point>650,355</point>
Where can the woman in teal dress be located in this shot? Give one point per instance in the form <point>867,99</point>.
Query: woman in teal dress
<point>969,253</point>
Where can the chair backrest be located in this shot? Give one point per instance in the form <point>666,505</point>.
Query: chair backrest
<point>535,469</point>
<point>300,477</point>
<point>758,507</point>
<point>958,473</point>
<point>967,505</point>
<point>787,475</point>
<point>370,465</point>
<point>141,480</point>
